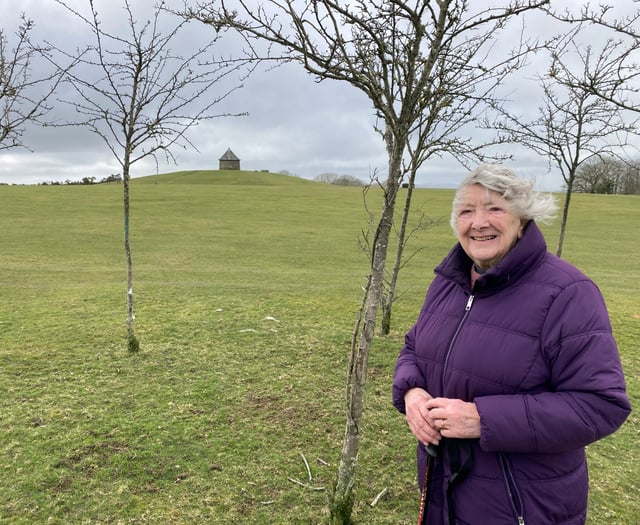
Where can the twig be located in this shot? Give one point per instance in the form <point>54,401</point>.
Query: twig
<point>323,462</point>
<point>306,464</point>
<point>304,484</point>
<point>382,494</point>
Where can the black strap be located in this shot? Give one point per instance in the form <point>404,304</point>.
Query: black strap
<point>459,470</point>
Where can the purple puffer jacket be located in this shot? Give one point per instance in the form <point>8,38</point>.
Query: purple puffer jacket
<point>532,346</point>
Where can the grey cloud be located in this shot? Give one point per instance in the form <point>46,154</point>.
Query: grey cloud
<point>294,123</point>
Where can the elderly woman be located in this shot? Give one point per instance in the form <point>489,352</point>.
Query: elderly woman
<point>511,368</point>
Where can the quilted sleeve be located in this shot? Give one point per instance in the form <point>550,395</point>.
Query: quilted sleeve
<point>407,374</point>
<point>586,398</point>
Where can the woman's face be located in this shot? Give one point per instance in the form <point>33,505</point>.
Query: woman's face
<point>486,226</point>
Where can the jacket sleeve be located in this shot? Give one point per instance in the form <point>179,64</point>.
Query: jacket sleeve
<point>406,375</point>
<point>586,398</point>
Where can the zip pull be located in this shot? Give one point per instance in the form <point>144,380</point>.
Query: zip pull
<point>520,520</point>
<point>469,303</point>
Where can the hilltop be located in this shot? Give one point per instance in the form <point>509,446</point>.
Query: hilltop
<point>223,177</point>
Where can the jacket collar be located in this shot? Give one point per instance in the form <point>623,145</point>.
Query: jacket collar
<point>526,254</point>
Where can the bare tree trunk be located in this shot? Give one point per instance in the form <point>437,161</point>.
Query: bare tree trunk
<point>565,215</point>
<point>341,500</point>
<point>133,344</point>
<point>389,297</point>
<point>341,503</point>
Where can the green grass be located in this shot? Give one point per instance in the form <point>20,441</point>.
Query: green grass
<point>246,291</point>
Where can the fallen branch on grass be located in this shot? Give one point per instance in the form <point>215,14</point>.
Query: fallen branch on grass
<point>305,485</point>
<point>382,494</point>
<point>306,464</point>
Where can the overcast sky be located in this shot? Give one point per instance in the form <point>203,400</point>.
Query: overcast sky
<point>294,124</point>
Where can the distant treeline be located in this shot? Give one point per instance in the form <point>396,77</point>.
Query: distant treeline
<point>608,176</point>
<point>84,181</point>
<point>339,180</point>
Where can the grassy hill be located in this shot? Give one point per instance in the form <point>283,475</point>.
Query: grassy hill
<point>224,177</point>
<point>246,289</point>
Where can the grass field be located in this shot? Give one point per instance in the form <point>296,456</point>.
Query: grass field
<point>246,291</point>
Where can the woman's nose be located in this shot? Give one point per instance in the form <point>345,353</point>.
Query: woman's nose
<point>480,219</point>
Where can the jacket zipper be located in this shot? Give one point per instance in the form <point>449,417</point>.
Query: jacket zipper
<point>512,488</point>
<point>467,308</point>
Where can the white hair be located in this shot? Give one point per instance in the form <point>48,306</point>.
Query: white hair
<point>524,201</point>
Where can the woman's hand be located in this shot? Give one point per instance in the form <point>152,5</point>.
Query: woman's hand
<point>419,418</point>
<point>454,418</point>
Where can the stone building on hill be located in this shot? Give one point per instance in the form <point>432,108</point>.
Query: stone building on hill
<point>229,161</point>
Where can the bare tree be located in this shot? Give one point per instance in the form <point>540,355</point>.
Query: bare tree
<point>627,181</point>
<point>595,176</point>
<point>23,96</point>
<point>141,99</point>
<point>608,175</point>
<point>465,78</point>
<point>618,81</point>
<point>339,180</point>
<point>573,125</point>
<point>393,51</point>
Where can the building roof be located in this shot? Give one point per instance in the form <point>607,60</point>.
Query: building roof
<point>229,155</point>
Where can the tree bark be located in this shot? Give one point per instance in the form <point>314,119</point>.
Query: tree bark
<point>565,216</point>
<point>133,345</point>
<point>390,296</point>
<point>341,500</point>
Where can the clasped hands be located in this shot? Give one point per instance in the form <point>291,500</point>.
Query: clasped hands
<point>430,419</point>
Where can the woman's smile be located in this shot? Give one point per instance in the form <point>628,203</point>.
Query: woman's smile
<point>486,226</point>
